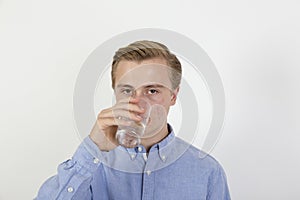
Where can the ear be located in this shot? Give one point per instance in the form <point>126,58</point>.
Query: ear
<point>174,96</point>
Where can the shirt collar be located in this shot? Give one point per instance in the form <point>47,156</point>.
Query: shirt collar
<point>167,139</point>
<point>161,154</point>
<point>156,147</point>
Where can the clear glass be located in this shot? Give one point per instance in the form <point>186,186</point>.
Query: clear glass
<point>130,136</point>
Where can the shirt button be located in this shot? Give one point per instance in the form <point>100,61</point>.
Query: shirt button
<point>140,149</point>
<point>132,156</point>
<point>148,172</point>
<point>96,160</point>
<point>163,158</point>
<point>70,189</point>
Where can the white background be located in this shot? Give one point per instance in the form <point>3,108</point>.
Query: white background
<point>254,44</point>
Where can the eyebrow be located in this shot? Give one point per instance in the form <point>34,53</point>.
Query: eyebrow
<point>154,85</point>
<point>146,86</point>
<point>124,85</point>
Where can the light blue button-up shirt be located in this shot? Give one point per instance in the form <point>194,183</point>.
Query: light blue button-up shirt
<point>173,169</point>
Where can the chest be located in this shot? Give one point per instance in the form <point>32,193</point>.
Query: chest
<point>167,183</point>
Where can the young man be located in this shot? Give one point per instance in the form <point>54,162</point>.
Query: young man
<point>162,166</point>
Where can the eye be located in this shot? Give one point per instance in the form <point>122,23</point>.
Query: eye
<point>126,91</point>
<point>152,91</point>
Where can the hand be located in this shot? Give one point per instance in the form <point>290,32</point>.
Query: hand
<point>105,128</point>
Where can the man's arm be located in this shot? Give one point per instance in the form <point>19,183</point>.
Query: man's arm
<point>74,177</point>
<point>218,187</point>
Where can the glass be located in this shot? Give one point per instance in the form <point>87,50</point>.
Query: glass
<point>130,136</point>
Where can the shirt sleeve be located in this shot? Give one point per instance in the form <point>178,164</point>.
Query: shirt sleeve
<point>218,187</point>
<point>74,176</point>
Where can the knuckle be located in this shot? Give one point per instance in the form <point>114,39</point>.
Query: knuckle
<point>100,114</point>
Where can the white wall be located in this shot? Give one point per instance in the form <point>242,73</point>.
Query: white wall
<point>254,44</point>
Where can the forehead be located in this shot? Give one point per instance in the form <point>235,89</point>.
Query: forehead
<point>148,72</point>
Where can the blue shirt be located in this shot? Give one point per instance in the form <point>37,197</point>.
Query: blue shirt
<point>173,169</point>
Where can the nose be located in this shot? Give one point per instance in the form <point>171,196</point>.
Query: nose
<point>137,94</point>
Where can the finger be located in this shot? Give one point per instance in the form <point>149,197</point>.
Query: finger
<point>129,106</point>
<point>127,115</point>
<point>113,121</point>
<point>119,114</point>
<point>129,100</point>
<point>124,114</point>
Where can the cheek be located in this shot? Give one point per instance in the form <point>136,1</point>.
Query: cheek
<point>160,100</point>
<point>155,99</point>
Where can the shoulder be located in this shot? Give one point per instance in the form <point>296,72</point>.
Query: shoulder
<point>197,157</point>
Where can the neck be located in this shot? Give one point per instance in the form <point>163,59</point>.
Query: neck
<point>150,141</point>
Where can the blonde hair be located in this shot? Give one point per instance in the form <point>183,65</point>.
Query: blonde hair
<point>143,50</point>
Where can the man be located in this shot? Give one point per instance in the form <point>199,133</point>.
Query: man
<point>162,166</point>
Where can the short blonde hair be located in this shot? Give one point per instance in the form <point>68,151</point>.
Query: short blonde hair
<point>143,50</point>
